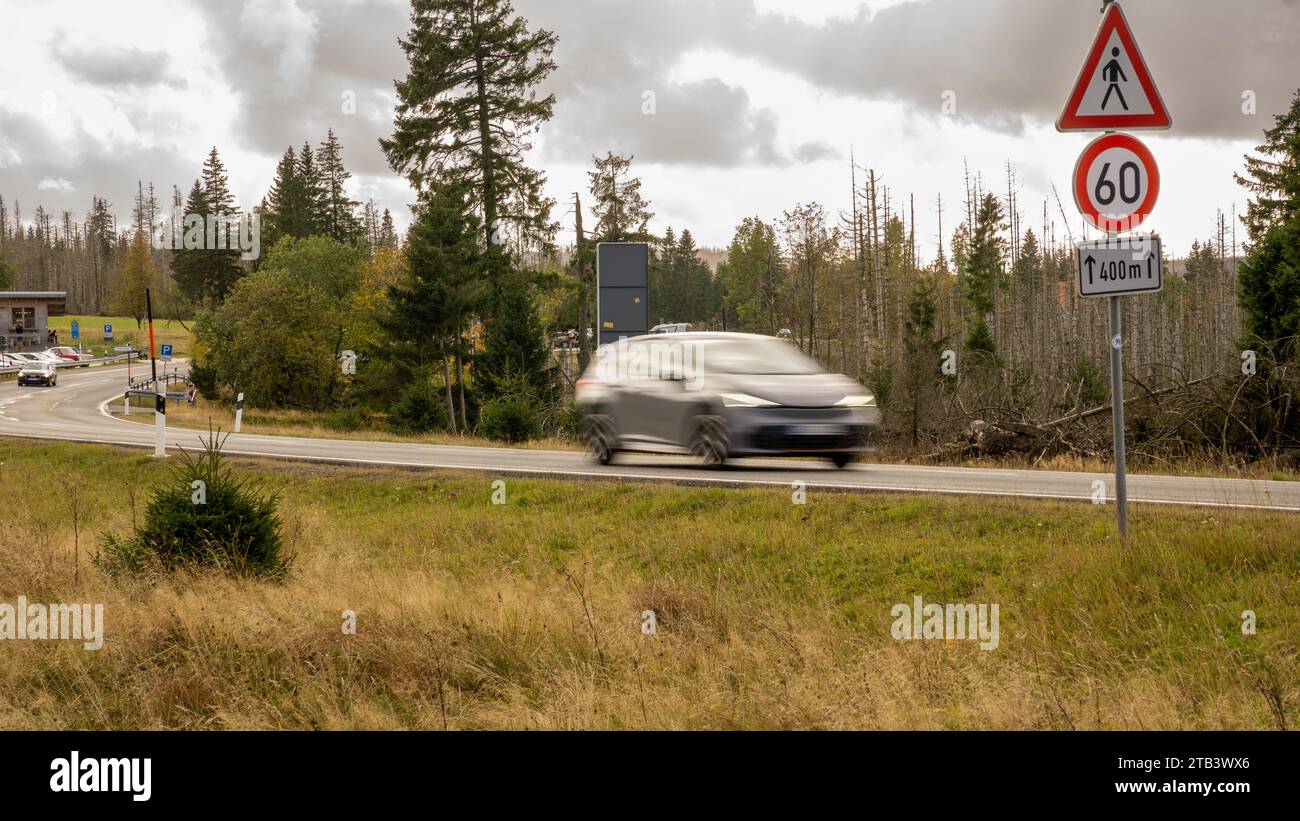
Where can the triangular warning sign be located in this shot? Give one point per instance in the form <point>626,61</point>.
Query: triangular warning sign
<point>1114,90</point>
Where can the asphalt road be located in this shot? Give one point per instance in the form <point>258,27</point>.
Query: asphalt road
<point>75,410</point>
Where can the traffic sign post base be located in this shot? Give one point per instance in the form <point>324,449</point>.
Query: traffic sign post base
<point>1117,399</point>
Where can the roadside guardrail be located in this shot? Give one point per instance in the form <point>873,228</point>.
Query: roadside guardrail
<point>94,360</point>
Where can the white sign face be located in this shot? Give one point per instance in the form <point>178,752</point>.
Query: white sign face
<point>1114,89</point>
<point>1116,183</point>
<point>1123,265</point>
<point>348,363</point>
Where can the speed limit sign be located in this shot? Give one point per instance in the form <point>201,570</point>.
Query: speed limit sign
<point>1116,183</point>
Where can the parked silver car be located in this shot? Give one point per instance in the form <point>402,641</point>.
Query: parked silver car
<point>719,395</point>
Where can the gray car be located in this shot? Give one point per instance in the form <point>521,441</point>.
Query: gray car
<point>719,395</point>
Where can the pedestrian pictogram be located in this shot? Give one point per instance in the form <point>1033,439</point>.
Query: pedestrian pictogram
<point>1114,90</point>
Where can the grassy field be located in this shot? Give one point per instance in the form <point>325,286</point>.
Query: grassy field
<point>166,331</point>
<point>530,614</point>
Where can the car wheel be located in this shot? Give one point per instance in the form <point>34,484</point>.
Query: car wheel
<point>601,441</point>
<point>708,440</point>
<point>841,460</point>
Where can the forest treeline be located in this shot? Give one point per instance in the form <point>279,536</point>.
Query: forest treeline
<point>979,346</point>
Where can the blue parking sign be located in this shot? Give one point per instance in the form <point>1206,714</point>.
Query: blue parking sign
<point>76,329</point>
<point>108,332</point>
<point>166,351</point>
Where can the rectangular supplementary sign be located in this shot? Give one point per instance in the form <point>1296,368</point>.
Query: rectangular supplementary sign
<point>622,290</point>
<point>1120,265</point>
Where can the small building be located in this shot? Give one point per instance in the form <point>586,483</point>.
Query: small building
<point>25,318</point>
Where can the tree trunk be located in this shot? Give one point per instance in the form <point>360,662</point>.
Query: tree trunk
<point>446,382</point>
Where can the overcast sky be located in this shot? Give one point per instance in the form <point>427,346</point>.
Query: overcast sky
<point>758,102</point>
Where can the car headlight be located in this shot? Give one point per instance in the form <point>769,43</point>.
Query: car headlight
<point>863,400</point>
<point>744,400</point>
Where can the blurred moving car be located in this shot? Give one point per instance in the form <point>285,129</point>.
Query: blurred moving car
<point>38,373</point>
<point>65,353</point>
<point>671,328</point>
<point>719,395</point>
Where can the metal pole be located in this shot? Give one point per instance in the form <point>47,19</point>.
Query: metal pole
<point>1117,401</point>
<point>153,363</point>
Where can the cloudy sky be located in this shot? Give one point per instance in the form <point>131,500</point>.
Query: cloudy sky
<point>758,103</point>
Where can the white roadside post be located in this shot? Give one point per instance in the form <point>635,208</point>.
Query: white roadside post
<point>239,411</point>
<point>1116,184</point>
<point>160,425</point>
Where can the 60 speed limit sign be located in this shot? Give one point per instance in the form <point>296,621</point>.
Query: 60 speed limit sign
<point>1116,182</point>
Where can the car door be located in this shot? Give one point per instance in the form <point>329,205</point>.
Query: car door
<point>662,396</point>
<point>646,392</point>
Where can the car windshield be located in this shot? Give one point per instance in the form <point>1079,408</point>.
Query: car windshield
<point>754,357</point>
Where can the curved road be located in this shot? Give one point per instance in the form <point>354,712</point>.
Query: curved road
<point>75,410</point>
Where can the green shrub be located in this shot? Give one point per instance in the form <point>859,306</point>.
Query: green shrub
<point>421,406</point>
<point>510,418</point>
<point>564,419</point>
<point>204,378</point>
<point>347,419</point>
<point>203,516</point>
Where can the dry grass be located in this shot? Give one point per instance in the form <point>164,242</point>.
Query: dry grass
<point>769,615</point>
<point>315,425</point>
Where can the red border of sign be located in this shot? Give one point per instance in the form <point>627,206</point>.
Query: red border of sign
<point>1158,119</point>
<point>1084,202</point>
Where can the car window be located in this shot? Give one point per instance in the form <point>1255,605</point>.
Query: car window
<point>755,357</point>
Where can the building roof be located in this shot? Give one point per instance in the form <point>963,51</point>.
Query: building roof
<point>33,294</point>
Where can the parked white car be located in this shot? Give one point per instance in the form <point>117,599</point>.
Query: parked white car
<point>21,359</point>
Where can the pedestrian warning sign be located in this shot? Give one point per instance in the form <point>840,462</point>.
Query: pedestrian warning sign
<point>1114,90</point>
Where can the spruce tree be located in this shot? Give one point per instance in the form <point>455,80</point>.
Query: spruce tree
<point>433,302</point>
<point>309,195</point>
<point>388,233</point>
<point>188,263</point>
<point>622,214</point>
<point>515,351</point>
<point>339,210</point>
<point>468,108</point>
<point>1269,286</point>
<point>984,272</point>
<point>279,218</point>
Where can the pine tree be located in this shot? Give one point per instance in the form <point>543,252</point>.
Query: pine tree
<point>665,285</point>
<point>207,267</point>
<point>1269,287</point>
<point>309,195</point>
<point>921,364</point>
<point>622,214</point>
<point>189,267</point>
<point>216,186</point>
<point>468,108</point>
<point>434,302</point>
<point>387,233</point>
<point>514,343</point>
<point>279,217</point>
<point>752,275</point>
<point>984,271</point>
<point>339,210</point>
